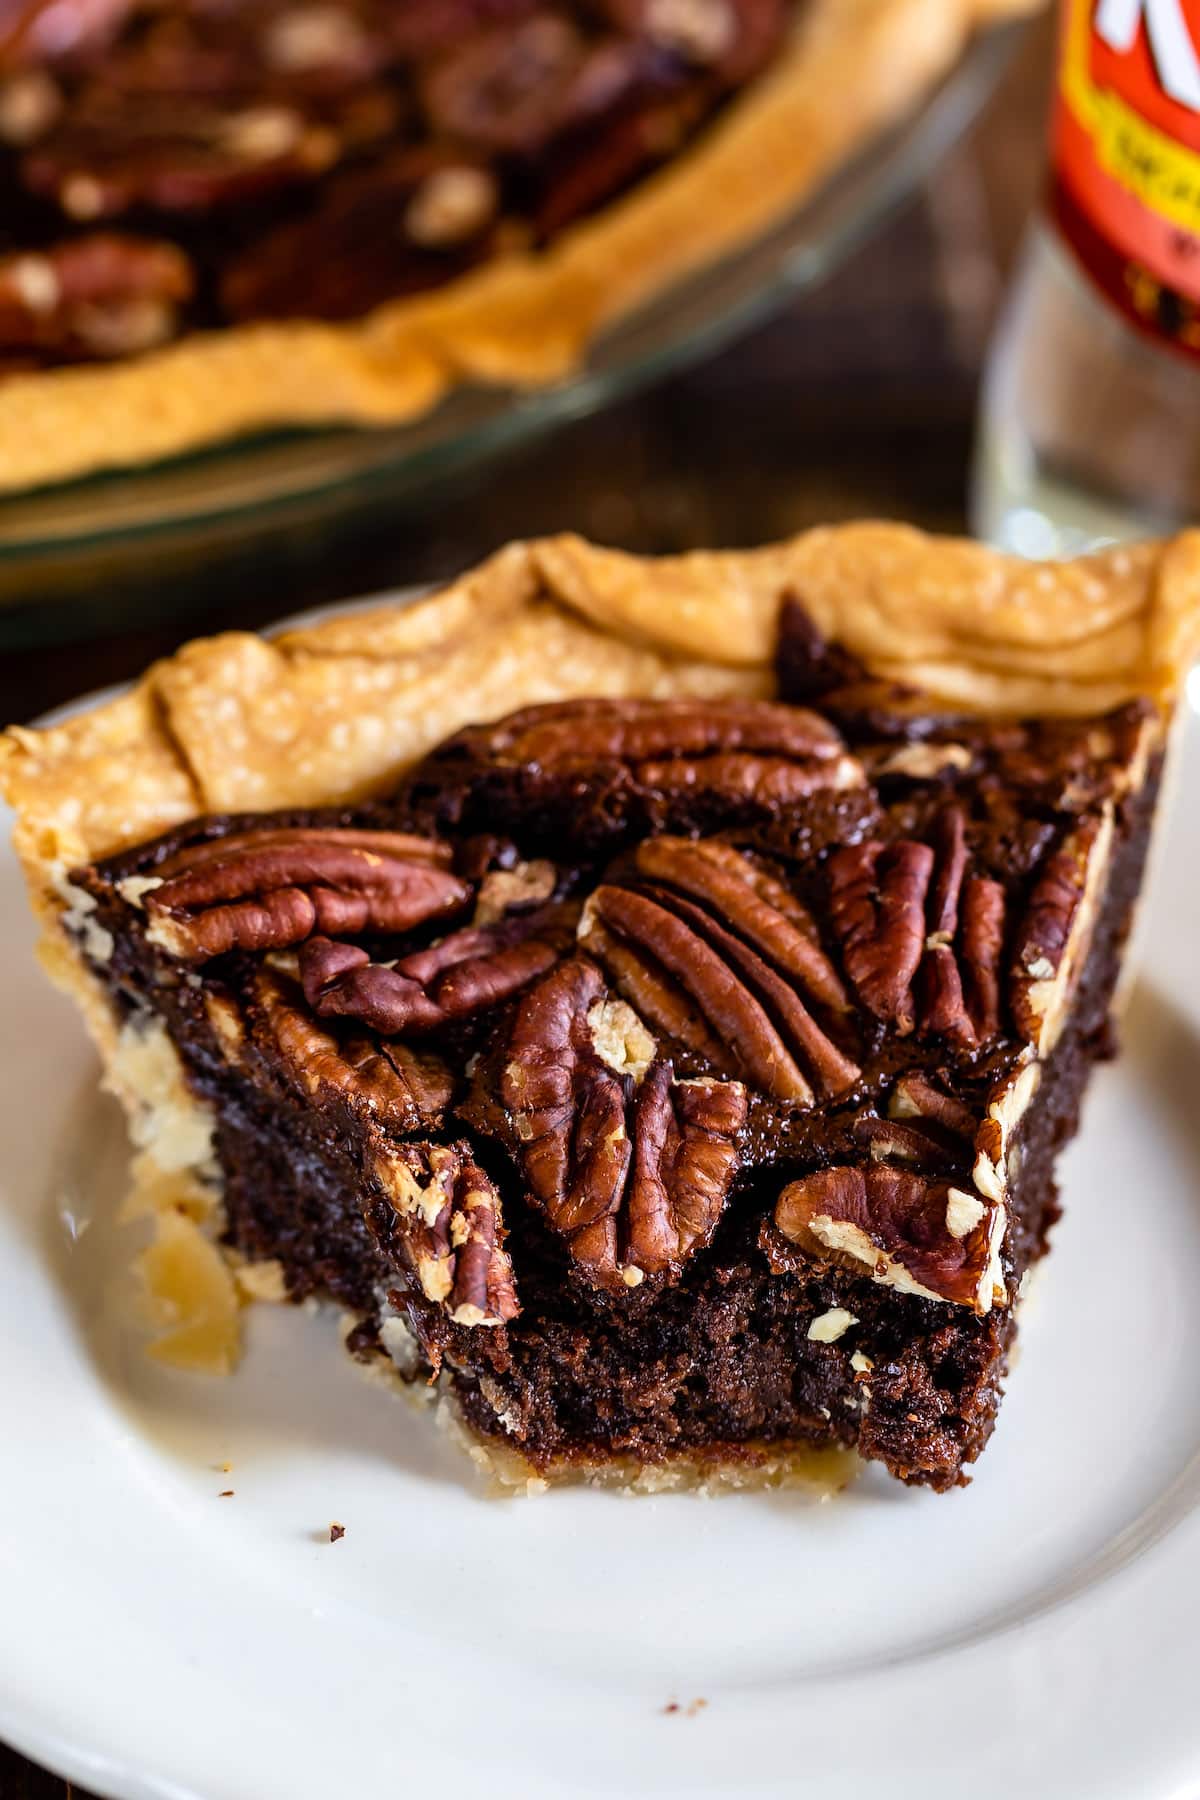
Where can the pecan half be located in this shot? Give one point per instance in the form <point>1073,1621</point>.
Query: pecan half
<point>634,1177</point>
<point>877,905</point>
<point>668,733</point>
<point>512,90</point>
<point>684,1160</point>
<point>593,774</point>
<point>406,222</point>
<point>925,1129</point>
<point>922,938</point>
<point>920,1236</point>
<point>264,890</point>
<point>733,963</point>
<point>769,780</point>
<point>750,749</point>
<point>729,39</point>
<point>99,295</point>
<point>400,1088</point>
<point>981,950</point>
<point>915,1097</point>
<point>1056,930</point>
<point>751,901</point>
<point>965,921</point>
<point>652,993</point>
<point>893,1140</point>
<point>442,1221</point>
<point>936,1131</point>
<point>465,973</point>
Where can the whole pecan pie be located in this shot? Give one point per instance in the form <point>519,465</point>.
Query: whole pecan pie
<point>221,215</point>
<point>672,1068</point>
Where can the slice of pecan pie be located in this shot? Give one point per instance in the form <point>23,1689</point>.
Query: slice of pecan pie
<point>672,1068</point>
<point>217,217</point>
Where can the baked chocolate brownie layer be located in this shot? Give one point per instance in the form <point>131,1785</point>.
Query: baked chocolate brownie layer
<point>674,1079</point>
<point>165,167</point>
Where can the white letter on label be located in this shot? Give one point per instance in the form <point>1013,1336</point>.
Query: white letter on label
<point>1117,22</point>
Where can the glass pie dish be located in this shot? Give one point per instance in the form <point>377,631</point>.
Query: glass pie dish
<point>234,497</point>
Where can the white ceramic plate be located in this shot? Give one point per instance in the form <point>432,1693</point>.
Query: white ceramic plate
<point>1036,1634</point>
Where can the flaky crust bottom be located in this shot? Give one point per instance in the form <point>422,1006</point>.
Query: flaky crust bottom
<point>821,1469</point>
<point>855,67</point>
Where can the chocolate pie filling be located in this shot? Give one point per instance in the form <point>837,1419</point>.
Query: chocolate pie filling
<point>167,165</point>
<point>675,1078</point>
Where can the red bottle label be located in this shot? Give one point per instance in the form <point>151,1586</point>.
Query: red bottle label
<point>1126,190</point>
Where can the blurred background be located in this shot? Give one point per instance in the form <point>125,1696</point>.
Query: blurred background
<point>838,406</point>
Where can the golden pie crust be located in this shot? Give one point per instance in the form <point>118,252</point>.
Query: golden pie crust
<point>853,68</point>
<point>337,711</point>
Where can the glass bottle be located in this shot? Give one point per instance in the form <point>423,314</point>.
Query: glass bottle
<point>1090,411</point>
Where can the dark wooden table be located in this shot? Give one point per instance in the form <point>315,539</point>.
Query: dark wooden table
<point>858,400</point>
